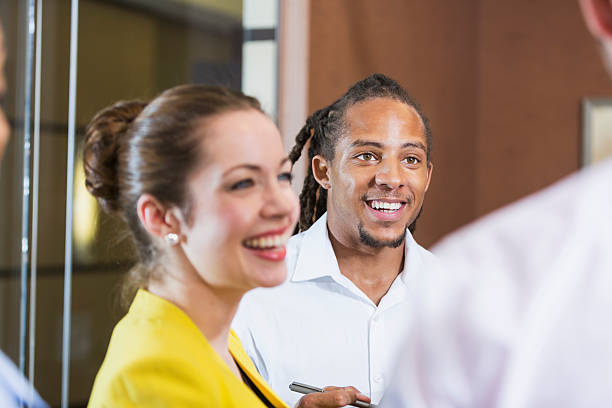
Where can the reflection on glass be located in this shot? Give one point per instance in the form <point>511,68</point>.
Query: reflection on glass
<point>84,225</point>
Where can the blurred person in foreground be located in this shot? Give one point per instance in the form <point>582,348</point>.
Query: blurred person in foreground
<point>202,179</point>
<point>519,317</point>
<point>339,317</point>
<point>15,390</point>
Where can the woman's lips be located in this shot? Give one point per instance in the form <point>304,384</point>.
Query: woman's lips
<point>269,245</point>
<point>274,254</point>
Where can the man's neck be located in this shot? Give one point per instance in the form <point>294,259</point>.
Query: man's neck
<point>372,270</point>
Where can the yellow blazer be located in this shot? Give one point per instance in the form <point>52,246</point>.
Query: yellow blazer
<point>157,357</point>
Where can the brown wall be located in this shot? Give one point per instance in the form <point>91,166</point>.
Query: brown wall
<point>501,83</point>
<point>536,63</point>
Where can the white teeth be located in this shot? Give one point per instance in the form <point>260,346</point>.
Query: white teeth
<point>385,206</point>
<point>266,242</point>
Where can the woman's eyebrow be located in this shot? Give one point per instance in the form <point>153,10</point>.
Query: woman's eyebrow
<point>247,166</point>
<point>252,167</point>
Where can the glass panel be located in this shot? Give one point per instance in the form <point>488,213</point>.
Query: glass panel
<point>52,197</point>
<point>14,17</point>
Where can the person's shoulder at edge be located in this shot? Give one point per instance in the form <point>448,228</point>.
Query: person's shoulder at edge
<point>14,388</point>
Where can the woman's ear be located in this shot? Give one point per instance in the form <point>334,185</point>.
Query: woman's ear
<point>320,171</point>
<point>156,219</point>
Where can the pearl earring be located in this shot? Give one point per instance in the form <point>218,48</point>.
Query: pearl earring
<point>172,238</point>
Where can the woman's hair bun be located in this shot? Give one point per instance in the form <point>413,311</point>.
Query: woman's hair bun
<point>103,137</point>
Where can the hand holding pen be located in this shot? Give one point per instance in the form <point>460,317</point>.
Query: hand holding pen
<point>330,397</point>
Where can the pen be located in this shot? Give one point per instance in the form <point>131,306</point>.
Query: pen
<point>307,389</point>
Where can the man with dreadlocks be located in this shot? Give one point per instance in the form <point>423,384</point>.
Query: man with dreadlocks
<point>337,319</point>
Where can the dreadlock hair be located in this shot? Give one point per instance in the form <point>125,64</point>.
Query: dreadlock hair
<point>324,128</point>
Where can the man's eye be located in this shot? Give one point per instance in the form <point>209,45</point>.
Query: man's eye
<point>242,184</point>
<point>412,160</point>
<point>285,177</point>
<point>366,157</point>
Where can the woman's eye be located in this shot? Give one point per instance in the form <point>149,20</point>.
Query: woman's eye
<point>366,157</point>
<point>285,177</point>
<point>242,184</point>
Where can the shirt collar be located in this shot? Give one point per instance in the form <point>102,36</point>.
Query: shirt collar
<point>316,257</point>
<point>413,259</point>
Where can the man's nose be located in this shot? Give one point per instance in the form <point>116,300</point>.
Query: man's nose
<point>389,175</point>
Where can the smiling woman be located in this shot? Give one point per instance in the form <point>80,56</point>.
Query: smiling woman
<point>201,178</point>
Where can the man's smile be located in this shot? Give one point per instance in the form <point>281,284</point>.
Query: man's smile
<point>386,206</point>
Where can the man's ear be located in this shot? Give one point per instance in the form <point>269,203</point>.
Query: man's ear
<point>320,171</point>
<point>598,16</point>
<point>429,172</point>
<point>156,219</point>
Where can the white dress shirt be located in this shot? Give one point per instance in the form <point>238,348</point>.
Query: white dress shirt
<point>319,328</point>
<point>521,314</point>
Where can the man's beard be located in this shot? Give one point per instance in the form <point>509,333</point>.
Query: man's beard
<point>372,242</point>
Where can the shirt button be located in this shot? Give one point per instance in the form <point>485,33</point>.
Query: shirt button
<point>375,319</point>
<point>378,378</point>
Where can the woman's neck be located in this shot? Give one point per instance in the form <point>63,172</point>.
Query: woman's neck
<point>211,309</point>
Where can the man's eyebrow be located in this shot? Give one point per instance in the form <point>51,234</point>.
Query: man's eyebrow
<point>418,145</point>
<point>365,143</point>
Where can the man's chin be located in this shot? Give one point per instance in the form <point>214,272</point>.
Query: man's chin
<point>370,240</point>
